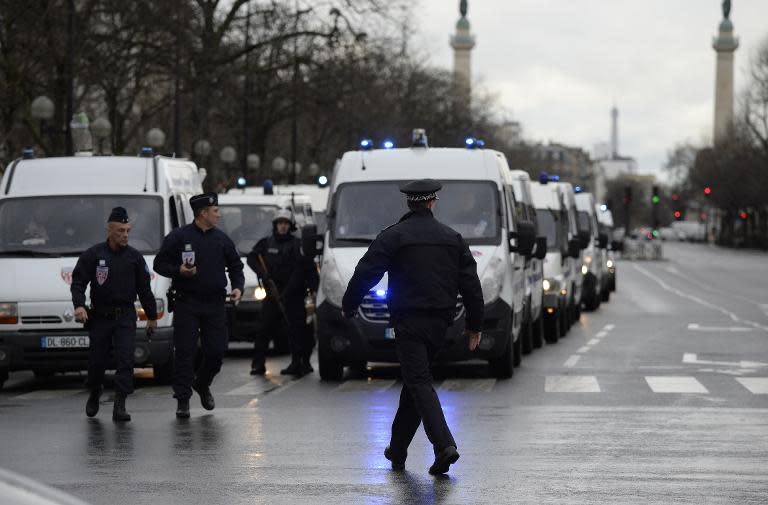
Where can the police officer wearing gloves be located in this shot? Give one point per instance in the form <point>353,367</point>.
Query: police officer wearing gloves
<point>197,258</point>
<point>117,273</point>
<point>429,264</point>
<point>286,273</point>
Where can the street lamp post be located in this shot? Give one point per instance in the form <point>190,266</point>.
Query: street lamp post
<point>42,109</point>
<point>102,129</point>
<point>279,164</point>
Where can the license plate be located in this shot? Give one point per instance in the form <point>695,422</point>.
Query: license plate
<point>389,333</point>
<point>68,342</point>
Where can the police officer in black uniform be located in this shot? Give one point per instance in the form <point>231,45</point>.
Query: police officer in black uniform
<point>429,264</point>
<point>117,273</point>
<point>279,258</point>
<point>197,257</point>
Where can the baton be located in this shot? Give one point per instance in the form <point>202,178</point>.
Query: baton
<point>272,287</point>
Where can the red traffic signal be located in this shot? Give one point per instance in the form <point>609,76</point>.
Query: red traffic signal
<point>743,216</point>
<point>707,191</point>
<point>675,197</point>
<point>678,214</point>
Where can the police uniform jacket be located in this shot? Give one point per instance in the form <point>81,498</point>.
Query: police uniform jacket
<point>211,251</point>
<point>429,264</point>
<point>288,267</point>
<point>116,277</point>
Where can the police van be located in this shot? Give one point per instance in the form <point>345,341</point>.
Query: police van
<point>246,217</point>
<point>533,325</point>
<point>605,223</point>
<point>51,210</point>
<point>592,267</point>
<point>476,200</point>
<point>575,279</point>
<point>562,249</point>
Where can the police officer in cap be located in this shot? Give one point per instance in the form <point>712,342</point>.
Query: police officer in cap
<point>116,273</point>
<point>198,257</point>
<point>287,273</point>
<point>429,264</point>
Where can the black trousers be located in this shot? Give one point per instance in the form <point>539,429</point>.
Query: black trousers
<point>119,335</point>
<point>417,339</point>
<point>193,320</point>
<point>300,339</point>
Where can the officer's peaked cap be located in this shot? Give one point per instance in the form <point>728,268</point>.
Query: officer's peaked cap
<point>421,190</point>
<point>284,214</point>
<point>118,215</point>
<point>199,202</point>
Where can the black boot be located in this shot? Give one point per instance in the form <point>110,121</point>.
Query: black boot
<point>118,411</point>
<point>206,398</point>
<point>182,408</point>
<point>294,368</point>
<point>306,366</point>
<point>92,405</point>
<point>397,464</point>
<point>257,367</point>
<point>443,460</point>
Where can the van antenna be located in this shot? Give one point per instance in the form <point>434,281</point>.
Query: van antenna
<point>146,172</point>
<point>362,158</point>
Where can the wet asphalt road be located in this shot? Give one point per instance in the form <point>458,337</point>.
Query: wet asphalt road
<point>661,396</point>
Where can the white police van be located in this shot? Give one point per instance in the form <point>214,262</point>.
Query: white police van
<point>575,279</point>
<point>592,267</point>
<point>476,200</point>
<point>51,210</point>
<point>605,223</point>
<point>246,217</point>
<point>554,223</point>
<point>533,325</point>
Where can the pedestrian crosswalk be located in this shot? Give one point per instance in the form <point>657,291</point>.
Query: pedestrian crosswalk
<point>549,384</point>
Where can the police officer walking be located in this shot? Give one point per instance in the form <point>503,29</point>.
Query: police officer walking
<point>197,257</point>
<point>286,273</point>
<point>117,273</point>
<point>429,264</point>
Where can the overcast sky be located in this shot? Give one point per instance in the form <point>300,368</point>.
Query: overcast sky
<point>559,65</point>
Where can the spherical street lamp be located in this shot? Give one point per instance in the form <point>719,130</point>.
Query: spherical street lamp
<point>202,148</point>
<point>314,169</point>
<point>42,108</point>
<point>101,129</point>
<point>253,162</point>
<point>228,154</point>
<point>156,138</point>
<point>279,164</point>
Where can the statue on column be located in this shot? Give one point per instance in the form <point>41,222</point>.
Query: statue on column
<point>463,8</point>
<point>726,9</point>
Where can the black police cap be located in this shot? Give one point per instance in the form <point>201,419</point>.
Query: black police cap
<point>423,189</point>
<point>118,215</point>
<point>198,202</point>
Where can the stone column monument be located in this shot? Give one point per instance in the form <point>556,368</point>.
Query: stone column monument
<point>725,44</point>
<point>462,43</point>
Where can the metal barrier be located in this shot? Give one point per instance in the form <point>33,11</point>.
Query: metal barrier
<point>642,250</point>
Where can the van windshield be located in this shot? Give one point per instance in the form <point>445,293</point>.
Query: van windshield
<point>363,209</point>
<point>585,223</point>
<point>549,227</point>
<point>68,225</point>
<point>246,224</point>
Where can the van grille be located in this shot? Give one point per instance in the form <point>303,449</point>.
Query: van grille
<point>40,320</point>
<point>375,310</point>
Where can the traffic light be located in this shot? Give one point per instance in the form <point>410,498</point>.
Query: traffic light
<point>675,197</point>
<point>655,199</point>
<point>743,216</point>
<point>678,214</point>
<point>707,190</point>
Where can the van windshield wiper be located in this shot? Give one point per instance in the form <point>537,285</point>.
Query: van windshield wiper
<point>30,253</point>
<point>361,240</point>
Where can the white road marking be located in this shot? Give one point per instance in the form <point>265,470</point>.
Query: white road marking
<point>584,349</point>
<point>601,334</point>
<point>677,384</point>
<point>755,385</point>
<point>50,394</point>
<point>692,359</point>
<point>466,385</point>
<point>571,362</point>
<point>609,327</point>
<point>732,329</point>
<point>365,385</point>
<point>571,384</point>
<point>593,341</point>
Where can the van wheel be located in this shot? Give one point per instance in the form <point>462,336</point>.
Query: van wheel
<point>526,337</point>
<point>330,369</point>
<point>565,321</point>
<point>606,294</point>
<point>576,313</point>
<point>163,372</point>
<point>551,328</point>
<point>503,366</point>
<point>3,377</point>
<point>537,333</point>
<point>517,352</point>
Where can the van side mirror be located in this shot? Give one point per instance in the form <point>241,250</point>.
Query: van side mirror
<point>541,248</point>
<point>526,238</point>
<point>602,240</point>
<point>574,248</point>
<point>617,245</point>
<point>584,237</point>
<point>311,242</point>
